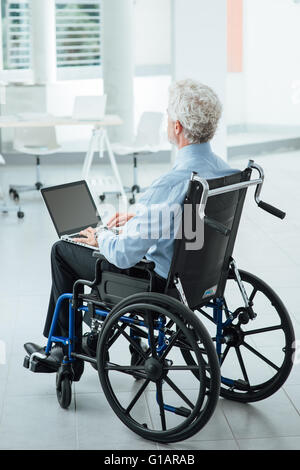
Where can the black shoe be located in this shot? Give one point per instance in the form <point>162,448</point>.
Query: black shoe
<point>89,344</point>
<point>52,361</point>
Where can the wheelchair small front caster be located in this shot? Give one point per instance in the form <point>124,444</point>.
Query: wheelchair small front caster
<point>20,214</point>
<point>64,385</point>
<point>102,197</point>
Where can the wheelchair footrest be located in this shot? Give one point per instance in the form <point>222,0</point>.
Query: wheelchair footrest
<point>241,385</point>
<point>36,366</point>
<point>182,411</point>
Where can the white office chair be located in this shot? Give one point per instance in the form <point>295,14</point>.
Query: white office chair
<point>36,141</point>
<point>148,140</point>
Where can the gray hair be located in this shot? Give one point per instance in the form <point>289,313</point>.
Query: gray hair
<point>196,107</point>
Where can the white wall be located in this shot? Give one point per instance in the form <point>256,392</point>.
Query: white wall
<point>272,62</point>
<point>199,50</point>
<point>152,21</point>
<point>235,99</point>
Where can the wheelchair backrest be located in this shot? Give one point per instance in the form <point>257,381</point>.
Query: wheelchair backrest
<point>203,272</point>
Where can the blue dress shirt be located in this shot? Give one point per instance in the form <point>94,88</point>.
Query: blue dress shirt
<point>140,238</point>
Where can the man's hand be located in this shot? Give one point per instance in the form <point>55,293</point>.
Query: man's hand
<point>119,219</point>
<point>89,237</point>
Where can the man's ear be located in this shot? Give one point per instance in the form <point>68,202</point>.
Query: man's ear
<point>178,128</point>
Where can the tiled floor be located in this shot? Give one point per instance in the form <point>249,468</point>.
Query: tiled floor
<point>30,417</point>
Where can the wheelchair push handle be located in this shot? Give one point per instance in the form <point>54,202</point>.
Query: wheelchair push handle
<point>271,209</point>
<point>215,225</point>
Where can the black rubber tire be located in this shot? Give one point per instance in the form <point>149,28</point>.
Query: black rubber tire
<point>260,391</point>
<point>20,214</point>
<point>179,315</point>
<point>64,392</point>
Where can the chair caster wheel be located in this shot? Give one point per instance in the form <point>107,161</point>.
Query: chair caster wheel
<point>38,186</point>
<point>20,214</point>
<point>135,188</point>
<point>14,195</point>
<point>64,393</point>
<point>132,200</point>
<point>64,385</point>
<point>102,197</point>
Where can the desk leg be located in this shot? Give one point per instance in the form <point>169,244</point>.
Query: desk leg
<point>89,155</point>
<point>100,137</point>
<point>115,168</point>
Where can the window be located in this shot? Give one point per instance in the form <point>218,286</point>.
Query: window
<point>16,34</point>
<point>78,38</point>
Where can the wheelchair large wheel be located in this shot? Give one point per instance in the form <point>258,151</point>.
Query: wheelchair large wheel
<point>257,356</point>
<point>168,403</point>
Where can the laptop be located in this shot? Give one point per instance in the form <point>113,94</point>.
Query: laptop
<point>72,209</point>
<point>89,108</point>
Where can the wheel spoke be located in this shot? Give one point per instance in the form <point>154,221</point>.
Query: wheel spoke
<point>139,332</point>
<point>152,342</point>
<point>206,315</point>
<point>253,293</point>
<point>258,354</point>
<point>179,392</point>
<point>227,313</point>
<point>137,396</point>
<point>263,330</point>
<point>242,365</point>
<point>224,354</point>
<point>136,371</point>
<point>170,345</point>
<point>112,366</point>
<point>133,343</point>
<point>181,367</point>
<point>115,336</point>
<point>161,404</point>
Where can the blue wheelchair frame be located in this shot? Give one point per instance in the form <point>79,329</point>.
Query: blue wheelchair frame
<point>69,341</point>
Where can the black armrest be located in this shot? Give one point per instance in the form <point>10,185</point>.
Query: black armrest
<point>143,264</point>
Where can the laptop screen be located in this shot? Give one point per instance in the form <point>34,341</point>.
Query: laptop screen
<point>71,207</point>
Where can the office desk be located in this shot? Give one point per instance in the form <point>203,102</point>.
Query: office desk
<point>99,139</point>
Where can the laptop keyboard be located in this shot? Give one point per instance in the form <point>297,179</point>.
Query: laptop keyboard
<point>77,235</point>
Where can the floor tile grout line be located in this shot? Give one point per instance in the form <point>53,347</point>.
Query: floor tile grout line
<point>76,418</point>
<point>231,430</point>
<point>290,400</point>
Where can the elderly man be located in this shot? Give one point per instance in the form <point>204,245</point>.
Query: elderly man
<point>194,111</point>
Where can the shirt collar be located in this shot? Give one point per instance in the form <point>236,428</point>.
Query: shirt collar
<point>191,153</point>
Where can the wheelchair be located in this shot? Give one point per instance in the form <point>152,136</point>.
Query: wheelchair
<point>161,368</point>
